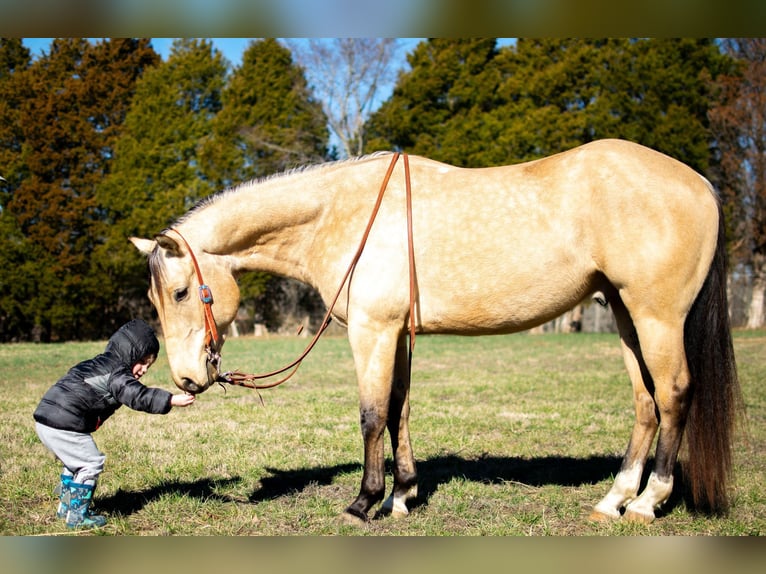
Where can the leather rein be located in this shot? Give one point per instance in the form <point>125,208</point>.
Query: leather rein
<point>213,341</point>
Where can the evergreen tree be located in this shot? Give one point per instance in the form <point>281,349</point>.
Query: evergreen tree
<point>156,174</point>
<point>468,104</point>
<point>658,92</point>
<point>16,251</point>
<point>14,61</point>
<point>71,103</point>
<point>546,95</point>
<point>269,121</point>
<point>437,108</point>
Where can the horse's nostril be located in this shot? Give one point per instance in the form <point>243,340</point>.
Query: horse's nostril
<point>190,386</point>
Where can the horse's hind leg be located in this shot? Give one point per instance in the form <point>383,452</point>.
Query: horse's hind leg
<point>662,346</point>
<point>628,479</point>
<point>405,474</point>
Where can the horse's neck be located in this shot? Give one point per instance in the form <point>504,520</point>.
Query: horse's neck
<point>264,226</point>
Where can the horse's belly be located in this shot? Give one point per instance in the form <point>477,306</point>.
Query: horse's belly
<point>496,306</point>
<point>483,321</point>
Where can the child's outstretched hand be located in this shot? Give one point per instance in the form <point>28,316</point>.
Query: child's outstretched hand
<point>181,400</point>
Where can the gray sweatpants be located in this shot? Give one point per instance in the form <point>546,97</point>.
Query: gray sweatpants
<point>77,451</point>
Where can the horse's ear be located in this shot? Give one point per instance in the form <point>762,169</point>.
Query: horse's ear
<point>169,244</point>
<point>145,246</point>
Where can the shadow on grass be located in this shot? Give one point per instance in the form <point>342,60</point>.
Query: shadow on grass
<point>432,472</point>
<point>536,472</point>
<point>127,502</point>
<point>563,471</point>
<point>286,482</point>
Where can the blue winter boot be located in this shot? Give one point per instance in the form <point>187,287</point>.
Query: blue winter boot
<point>78,516</point>
<point>62,490</point>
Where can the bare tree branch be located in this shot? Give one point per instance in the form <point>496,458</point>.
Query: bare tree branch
<point>348,76</point>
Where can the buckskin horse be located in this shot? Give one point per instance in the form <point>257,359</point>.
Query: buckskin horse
<point>476,252</point>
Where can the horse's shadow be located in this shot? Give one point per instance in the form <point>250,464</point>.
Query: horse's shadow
<point>556,470</point>
<point>432,472</point>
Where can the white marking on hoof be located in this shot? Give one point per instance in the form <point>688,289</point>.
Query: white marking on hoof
<point>396,506</point>
<point>656,492</point>
<point>624,489</point>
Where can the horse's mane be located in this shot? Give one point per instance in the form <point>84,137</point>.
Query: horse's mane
<point>298,170</point>
<point>156,272</point>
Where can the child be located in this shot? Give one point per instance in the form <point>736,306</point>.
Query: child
<point>83,399</point>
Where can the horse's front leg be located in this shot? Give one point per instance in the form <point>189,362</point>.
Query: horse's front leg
<point>405,474</point>
<point>374,352</point>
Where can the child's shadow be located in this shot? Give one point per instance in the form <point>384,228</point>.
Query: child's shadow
<point>128,502</point>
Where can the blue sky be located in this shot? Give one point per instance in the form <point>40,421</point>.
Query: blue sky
<point>231,48</point>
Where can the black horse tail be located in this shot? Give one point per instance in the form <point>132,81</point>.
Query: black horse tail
<point>716,399</point>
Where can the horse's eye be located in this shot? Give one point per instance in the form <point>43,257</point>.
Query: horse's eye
<point>180,294</point>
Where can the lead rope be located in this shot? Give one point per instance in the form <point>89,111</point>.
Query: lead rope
<point>241,379</point>
<point>411,257</point>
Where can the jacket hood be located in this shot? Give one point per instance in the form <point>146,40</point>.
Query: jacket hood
<point>133,341</point>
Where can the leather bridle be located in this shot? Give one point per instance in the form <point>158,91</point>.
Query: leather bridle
<point>213,341</point>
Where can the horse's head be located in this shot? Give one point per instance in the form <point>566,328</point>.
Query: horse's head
<point>174,292</point>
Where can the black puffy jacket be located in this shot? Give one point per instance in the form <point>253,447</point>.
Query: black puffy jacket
<point>92,390</point>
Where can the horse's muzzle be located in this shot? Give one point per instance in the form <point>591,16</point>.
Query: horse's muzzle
<point>190,386</point>
<point>194,387</point>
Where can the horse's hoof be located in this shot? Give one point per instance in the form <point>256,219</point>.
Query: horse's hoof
<point>598,516</point>
<point>349,519</point>
<point>638,517</point>
<point>604,512</point>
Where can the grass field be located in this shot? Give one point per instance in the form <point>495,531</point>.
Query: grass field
<point>513,435</point>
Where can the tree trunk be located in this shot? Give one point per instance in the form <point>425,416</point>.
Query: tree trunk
<point>755,315</point>
<point>574,325</point>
